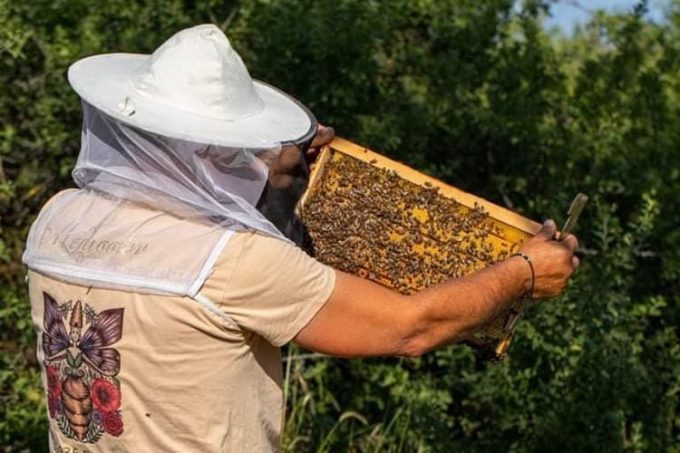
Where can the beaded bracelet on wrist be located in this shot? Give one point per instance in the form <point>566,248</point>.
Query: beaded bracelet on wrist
<point>530,293</point>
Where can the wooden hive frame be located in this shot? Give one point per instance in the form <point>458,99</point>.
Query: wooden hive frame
<point>511,228</point>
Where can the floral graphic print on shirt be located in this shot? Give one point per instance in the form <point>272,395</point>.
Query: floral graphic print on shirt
<point>83,394</point>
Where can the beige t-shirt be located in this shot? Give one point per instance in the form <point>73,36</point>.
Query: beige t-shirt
<point>127,371</point>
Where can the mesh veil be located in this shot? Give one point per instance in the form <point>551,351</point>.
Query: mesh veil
<point>189,179</point>
<point>199,194</point>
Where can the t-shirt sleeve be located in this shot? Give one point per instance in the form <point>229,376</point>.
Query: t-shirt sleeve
<point>269,286</point>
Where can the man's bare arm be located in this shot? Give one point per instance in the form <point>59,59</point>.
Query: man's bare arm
<point>362,318</point>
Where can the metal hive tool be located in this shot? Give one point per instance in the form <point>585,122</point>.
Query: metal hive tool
<point>381,220</point>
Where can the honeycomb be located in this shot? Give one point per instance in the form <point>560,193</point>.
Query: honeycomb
<point>366,216</point>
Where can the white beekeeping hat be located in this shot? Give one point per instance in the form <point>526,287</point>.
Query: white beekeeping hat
<point>193,87</point>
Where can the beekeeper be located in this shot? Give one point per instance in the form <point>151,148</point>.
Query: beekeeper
<point>163,287</point>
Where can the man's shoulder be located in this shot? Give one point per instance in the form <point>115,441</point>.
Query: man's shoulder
<point>59,196</point>
<point>74,202</point>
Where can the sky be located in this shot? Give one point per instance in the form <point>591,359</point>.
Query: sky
<point>565,14</point>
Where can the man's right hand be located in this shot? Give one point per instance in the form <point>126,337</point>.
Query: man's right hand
<point>554,261</point>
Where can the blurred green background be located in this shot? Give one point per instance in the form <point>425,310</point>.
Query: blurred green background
<point>474,92</point>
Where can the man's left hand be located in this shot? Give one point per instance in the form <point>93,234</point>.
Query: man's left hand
<point>324,135</point>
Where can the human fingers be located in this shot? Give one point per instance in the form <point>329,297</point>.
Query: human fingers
<point>548,230</point>
<point>575,262</point>
<point>311,155</point>
<point>324,135</point>
<point>571,242</point>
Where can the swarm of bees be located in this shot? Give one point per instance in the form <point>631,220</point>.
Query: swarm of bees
<point>371,222</point>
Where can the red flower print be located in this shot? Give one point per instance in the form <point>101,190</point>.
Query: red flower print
<point>53,382</point>
<point>105,396</point>
<point>113,423</point>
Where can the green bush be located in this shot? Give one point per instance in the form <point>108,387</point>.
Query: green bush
<point>475,93</point>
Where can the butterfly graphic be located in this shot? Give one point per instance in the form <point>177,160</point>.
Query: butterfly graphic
<point>91,347</point>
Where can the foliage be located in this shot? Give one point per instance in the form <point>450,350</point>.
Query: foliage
<point>476,93</point>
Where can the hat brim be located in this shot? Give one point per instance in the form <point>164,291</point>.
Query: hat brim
<point>104,82</point>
